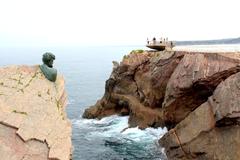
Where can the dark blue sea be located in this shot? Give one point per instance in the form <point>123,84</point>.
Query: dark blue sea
<point>85,70</point>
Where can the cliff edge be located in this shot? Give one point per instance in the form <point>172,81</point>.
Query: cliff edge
<point>192,93</point>
<point>33,122</point>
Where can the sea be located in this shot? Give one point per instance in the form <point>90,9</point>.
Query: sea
<point>85,70</point>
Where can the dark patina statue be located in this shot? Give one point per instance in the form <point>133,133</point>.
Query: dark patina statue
<point>47,67</point>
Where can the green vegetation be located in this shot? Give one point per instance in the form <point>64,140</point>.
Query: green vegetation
<point>125,57</point>
<point>136,51</point>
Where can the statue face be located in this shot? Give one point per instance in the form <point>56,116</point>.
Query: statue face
<point>48,59</point>
<point>50,63</point>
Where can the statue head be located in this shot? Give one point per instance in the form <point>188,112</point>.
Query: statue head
<point>47,68</point>
<point>48,59</point>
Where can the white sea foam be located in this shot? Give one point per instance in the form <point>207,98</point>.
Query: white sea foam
<point>147,134</point>
<point>114,126</point>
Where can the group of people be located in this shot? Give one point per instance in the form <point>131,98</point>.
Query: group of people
<point>154,41</point>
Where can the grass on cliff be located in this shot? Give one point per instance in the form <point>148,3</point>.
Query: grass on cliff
<point>137,51</point>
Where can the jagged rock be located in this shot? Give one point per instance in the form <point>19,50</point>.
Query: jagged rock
<point>194,94</point>
<point>167,85</point>
<point>33,122</point>
<point>212,130</point>
<point>120,82</point>
<point>129,89</point>
<point>193,81</point>
<point>152,78</point>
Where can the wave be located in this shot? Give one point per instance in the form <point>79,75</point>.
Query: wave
<point>116,125</point>
<point>113,133</point>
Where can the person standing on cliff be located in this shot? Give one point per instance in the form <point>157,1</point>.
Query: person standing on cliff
<point>154,40</point>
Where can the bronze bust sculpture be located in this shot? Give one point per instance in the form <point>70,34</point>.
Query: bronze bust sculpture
<point>47,67</point>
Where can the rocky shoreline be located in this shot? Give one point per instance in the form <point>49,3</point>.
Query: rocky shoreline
<point>194,94</point>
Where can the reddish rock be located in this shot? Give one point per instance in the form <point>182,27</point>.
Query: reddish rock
<point>225,100</point>
<point>217,144</point>
<point>212,130</point>
<point>137,86</point>
<point>165,86</point>
<point>195,94</point>
<point>152,78</point>
<point>193,81</point>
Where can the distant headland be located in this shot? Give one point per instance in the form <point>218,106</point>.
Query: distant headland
<point>209,42</point>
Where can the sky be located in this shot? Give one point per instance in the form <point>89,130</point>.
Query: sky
<point>115,22</point>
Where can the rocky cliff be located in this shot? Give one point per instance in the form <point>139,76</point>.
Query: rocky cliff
<point>33,122</point>
<point>193,93</point>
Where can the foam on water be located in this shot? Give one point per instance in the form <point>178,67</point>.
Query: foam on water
<point>112,133</point>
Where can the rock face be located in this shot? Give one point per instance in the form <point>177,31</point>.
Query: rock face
<point>211,131</point>
<point>137,88</point>
<point>193,81</point>
<point>194,94</point>
<point>33,122</point>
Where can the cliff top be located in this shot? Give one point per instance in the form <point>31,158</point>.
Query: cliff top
<point>35,107</point>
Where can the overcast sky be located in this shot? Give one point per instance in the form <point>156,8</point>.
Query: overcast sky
<point>113,22</point>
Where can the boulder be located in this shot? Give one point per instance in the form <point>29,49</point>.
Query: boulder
<point>33,121</point>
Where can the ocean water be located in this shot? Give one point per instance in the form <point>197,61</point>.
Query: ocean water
<point>85,70</point>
